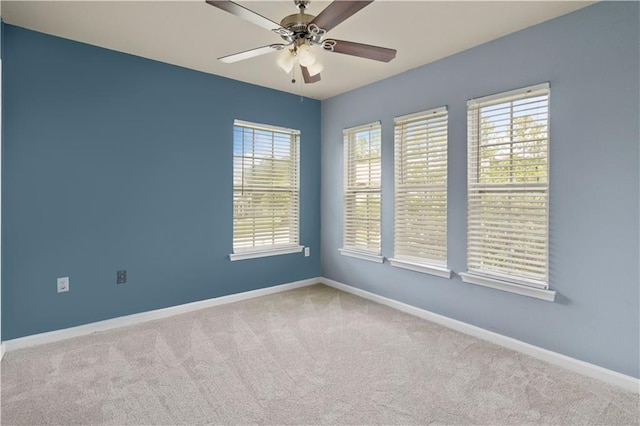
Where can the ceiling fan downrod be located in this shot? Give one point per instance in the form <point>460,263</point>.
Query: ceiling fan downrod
<point>301,4</point>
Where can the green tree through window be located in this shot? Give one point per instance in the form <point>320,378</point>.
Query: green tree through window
<point>265,187</point>
<point>508,187</point>
<point>362,199</point>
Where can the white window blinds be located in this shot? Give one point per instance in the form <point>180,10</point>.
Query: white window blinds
<point>508,186</point>
<point>362,171</point>
<point>265,187</point>
<point>420,228</point>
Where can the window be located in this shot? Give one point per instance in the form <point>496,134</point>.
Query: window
<point>420,220</point>
<point>362,177</point>
<point>508,191</point>
<point>265,190</point>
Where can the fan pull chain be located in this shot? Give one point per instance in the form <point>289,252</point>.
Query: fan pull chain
<point>301,97</point>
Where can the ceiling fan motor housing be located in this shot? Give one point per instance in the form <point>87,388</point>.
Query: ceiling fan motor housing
<point>299,25</point>
<point>297,22</point>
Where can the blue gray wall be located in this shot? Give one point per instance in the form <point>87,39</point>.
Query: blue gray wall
<point>1,149</point>
<point>117,162</point>
<point>590,57</point>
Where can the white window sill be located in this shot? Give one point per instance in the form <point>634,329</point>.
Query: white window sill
<point>243,255</point>
<point>421,267</point>
<point>362,255</point>
<point>538,293</point>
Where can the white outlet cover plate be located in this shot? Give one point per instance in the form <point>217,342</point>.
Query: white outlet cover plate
<point>306,251</point>
<point>63,284</point>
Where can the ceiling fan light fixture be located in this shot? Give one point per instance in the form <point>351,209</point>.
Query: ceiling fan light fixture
<point>301,31</point>
<point>315,68</point>
<point>286,61</point>
<point>306,57</point>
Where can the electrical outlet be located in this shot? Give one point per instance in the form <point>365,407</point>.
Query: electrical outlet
<point>307,251</point>
<point>122,277</point>
<point>63,284</point>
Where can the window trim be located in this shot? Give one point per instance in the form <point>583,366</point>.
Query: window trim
<point>273,250</point>
<point>252,254</point>
<point>363,255</point>
<point>418,264</point>
<point>424,268</point>
<point>509,286</point>
<point>508,95</point>
<point>523,286</point>
<point>265,127</point>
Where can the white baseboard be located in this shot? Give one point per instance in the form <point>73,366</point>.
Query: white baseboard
<point>609,376</point>
<point>82,330</point>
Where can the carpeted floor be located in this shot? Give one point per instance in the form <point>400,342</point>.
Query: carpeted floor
<point>309,356</point>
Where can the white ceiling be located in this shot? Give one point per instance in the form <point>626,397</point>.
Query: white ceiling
<point>193,34</point>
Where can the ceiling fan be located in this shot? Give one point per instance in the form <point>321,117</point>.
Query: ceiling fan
<point>300,32</point>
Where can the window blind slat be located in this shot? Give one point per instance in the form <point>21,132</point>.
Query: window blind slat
<point>265,186</point>
<point>362,191</point>
<point>508,200</point>
<point>420,219</point>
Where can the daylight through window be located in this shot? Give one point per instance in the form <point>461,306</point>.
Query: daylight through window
<point>362,178</point>
<point>508,186</point>
<point>420,228</point>
<point>265,187</point>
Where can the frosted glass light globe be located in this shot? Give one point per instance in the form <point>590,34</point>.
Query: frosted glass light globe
<point>286,60</point>
<point>315,68</point>
<point>305,55</point>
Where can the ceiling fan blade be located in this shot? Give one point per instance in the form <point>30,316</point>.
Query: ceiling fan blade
<point>309,78</point>
<point>358,49</point>
<point>249,15</point>
<point>337,12</point>
<point>241,56</point>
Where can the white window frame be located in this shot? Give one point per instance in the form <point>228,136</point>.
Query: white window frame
<point>503,261</point>
<point>421,143</point>
<point>250,246</point>
<point>352,246</point>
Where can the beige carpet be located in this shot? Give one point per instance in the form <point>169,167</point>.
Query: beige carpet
<point>309,356</point>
